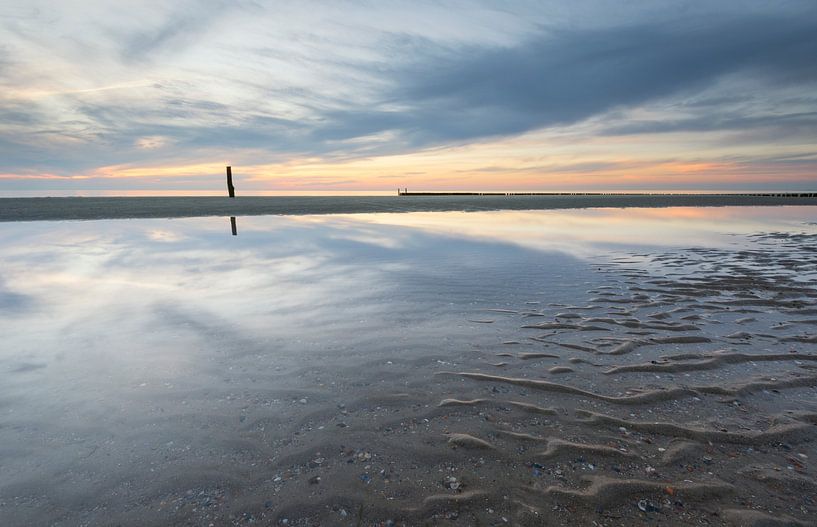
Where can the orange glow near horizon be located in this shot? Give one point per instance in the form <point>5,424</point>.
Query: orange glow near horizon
<point>536,161</point>
<point>429,96</point>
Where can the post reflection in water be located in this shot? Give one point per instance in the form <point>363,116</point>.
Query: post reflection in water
<point>233,226</point>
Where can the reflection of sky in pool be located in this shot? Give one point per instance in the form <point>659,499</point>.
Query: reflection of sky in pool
<point>108,324</point>
<point>153,294</point>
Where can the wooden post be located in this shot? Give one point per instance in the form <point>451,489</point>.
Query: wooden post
<point>233,226</point>
<point>230,187</point>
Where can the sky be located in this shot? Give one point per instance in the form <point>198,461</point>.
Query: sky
<point>375,95</point>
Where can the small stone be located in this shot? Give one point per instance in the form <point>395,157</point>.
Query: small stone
<point>646,506</point>
<point>452,483</point>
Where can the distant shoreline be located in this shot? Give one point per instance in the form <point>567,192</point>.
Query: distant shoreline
<point>93,208</point>
<point>489,193</point>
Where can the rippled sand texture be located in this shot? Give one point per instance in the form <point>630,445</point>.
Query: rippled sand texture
<point>679,390</point>
<point>681,393</point>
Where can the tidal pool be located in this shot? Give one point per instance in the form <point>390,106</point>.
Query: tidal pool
<point>372,368</point>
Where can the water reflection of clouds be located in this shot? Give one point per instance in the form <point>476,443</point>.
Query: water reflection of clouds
<point>113,288</point>
<point>12,302</point>
<point>279,276</point>
<point>165,235</point>
<point>590,232</point>
<point>143,333</point>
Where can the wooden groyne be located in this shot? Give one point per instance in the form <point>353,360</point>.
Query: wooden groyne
<point>405,192</point>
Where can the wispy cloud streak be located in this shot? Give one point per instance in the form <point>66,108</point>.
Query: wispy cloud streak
<point>204,82</point>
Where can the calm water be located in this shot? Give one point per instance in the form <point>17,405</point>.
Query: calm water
<point>141,359</point>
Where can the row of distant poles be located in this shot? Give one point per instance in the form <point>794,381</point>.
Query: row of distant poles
<point>231,191</point>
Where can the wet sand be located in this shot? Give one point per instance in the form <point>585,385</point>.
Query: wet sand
<point>96,208</point>
<point>678,388</point>
<point>646,407</point>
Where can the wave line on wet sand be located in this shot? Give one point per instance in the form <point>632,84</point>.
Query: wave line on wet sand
<point>648,396</point>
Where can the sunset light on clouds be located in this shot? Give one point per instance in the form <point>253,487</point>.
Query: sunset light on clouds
<point>344,96</point>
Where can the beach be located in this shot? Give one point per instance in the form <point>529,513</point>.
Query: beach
<point>100,208</point>
<point>408,264</point>
<point>643,362</point>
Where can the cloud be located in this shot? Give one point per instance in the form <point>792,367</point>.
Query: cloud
<point>205,80</point>
<point>5,60</point>
<point>565,76</point>
<point>795,124</point>
<point>175,31</point>
<point>152,142</point>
